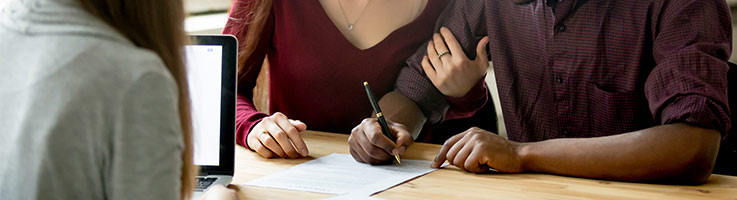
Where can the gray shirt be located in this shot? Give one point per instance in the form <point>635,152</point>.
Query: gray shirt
<point>84,113</point>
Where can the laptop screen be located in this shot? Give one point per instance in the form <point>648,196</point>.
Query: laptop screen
<point>204,76</point>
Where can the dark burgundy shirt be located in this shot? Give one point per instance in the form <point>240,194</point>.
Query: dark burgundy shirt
<point>588,68</point>
<point>316,75</point>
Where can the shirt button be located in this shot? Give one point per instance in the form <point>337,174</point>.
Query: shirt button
<point>564,131</point>
<point>559,80</point>
<point>561,28</point>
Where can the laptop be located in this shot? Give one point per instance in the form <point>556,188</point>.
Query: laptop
<point>211,74</point>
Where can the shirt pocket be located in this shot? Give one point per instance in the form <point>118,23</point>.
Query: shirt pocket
<point>615,112</point>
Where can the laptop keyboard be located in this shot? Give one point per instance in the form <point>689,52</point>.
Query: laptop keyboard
<point>203,183</point>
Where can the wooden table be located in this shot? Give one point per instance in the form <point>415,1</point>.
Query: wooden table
<point>452,183</point>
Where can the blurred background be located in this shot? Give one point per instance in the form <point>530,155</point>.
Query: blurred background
<point>209,17</point>
<point>207,6</point>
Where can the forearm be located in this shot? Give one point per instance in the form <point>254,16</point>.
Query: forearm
<point>247,116</point>
<point>677,152</point>
<point>400,109</point>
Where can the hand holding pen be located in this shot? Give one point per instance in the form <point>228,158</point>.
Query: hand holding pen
<point>369,144</point>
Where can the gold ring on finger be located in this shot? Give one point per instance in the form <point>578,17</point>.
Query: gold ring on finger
<point>443,53</point>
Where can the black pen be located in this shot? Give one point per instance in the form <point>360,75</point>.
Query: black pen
<point>380,116</point>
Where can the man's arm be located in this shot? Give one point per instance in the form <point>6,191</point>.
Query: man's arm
<point>674,153</point>
<point>687,93</point>
<point>677,153</point>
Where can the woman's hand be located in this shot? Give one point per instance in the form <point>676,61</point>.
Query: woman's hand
<point>369,145</point>
<point>448,67</point>
<point>278,135</point>
<point>476,150</point>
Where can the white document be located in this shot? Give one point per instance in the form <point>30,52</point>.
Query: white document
<point>340,174</point>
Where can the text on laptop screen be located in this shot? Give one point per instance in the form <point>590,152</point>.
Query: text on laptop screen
<point>204,70</point>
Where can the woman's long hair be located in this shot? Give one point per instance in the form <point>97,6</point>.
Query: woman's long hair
<point>255,13</point>
<point>157,25</point>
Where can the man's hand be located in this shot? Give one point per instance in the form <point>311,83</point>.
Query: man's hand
<point>369,145</point>
<point>448,67</point>
<point>476,150</point>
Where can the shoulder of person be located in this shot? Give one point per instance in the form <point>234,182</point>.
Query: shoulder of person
<point>112,67</point>
<point>119,60</point>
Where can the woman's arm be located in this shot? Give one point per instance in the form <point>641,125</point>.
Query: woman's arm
<point>469,27</point>
<point>247,116</point>
<point>277,135</point>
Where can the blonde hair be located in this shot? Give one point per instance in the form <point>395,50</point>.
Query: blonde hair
<point>157,25</point>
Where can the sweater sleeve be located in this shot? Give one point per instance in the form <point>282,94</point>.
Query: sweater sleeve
<point>247,116</point>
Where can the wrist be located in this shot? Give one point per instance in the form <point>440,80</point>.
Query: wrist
<point>255,127</point>
<point>468,105</point>
<point>470,92</point>
<point>524,155</point>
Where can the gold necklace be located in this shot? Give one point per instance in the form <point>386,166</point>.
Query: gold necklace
<point>351,25</point>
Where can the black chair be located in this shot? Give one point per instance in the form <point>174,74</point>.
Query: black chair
<point>727,159</point>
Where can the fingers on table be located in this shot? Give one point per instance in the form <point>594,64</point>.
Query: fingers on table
<point>269,141</point>
<point>292,133</point>
<point>301,126</point>
<point>462,152</point>
<point>461,157</point>
<point>441,157</point>
<point>277,139</point>
<point>474,163</point>
<point>261,149</point>
<point>452,155</point>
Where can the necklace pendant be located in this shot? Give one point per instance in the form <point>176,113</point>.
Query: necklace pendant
<point>350,27</point>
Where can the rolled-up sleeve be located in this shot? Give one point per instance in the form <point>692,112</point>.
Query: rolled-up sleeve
<point>466,19</point>
<point>692,43</point>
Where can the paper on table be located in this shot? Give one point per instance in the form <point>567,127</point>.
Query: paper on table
<point>340,174</point>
